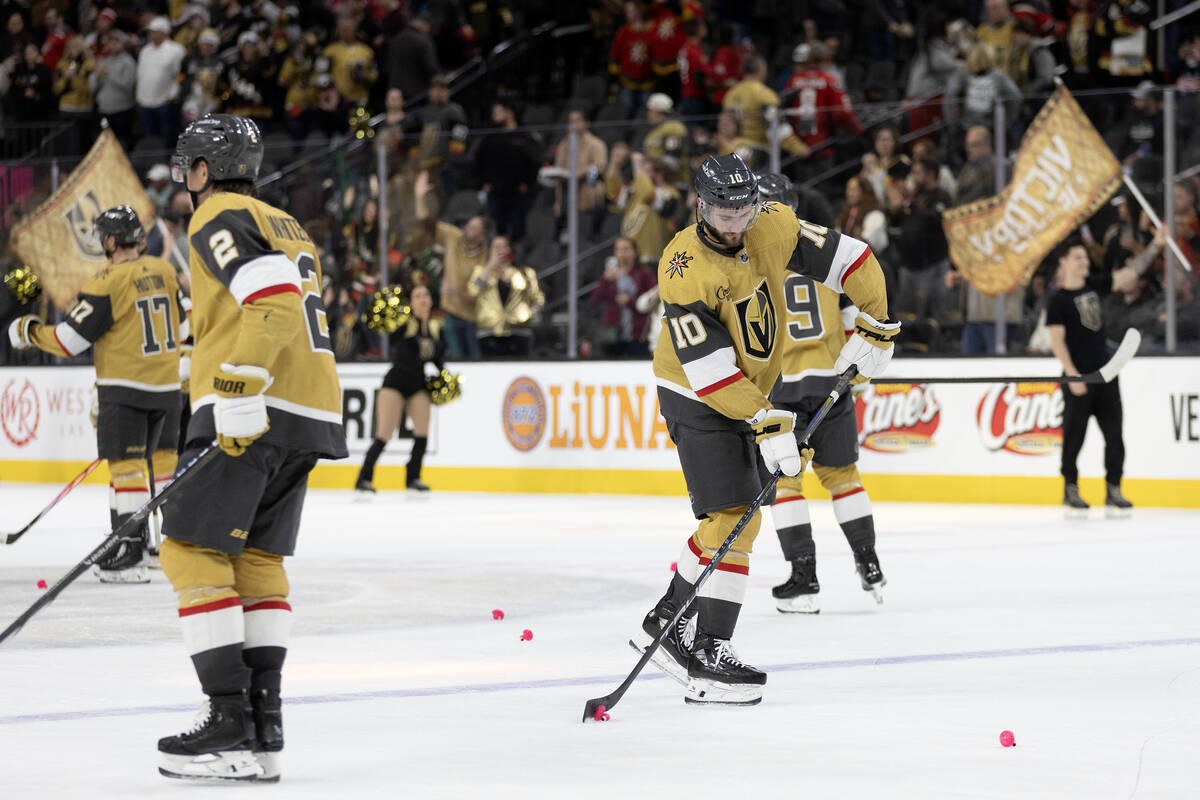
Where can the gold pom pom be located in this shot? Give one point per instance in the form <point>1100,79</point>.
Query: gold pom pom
<point>23,284</point>
<point>360,123</point>
<point>388,310</point>
<point>444,387</point>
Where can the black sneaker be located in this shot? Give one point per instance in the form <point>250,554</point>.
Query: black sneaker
<point>718,676</point>
<point>363,490</point>
<point>125,563</point>
<point>268,732</point>
<point>1115,503</point>
<point>1073,504</point>
<point>869,573</point>
<point>676,649</point>
<point>418,485</point>
<point>218,746</point>
<point>798,594</point>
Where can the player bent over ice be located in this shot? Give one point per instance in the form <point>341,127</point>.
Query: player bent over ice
<point>815,332</point>
<point>264,385</point>
<point>722,286</point>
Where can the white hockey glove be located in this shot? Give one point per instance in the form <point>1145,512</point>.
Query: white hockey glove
<point>869,349</point>
<point>431,370</point>
<point>774,431</point>
<point>18,332</point>
<point>240,413</point>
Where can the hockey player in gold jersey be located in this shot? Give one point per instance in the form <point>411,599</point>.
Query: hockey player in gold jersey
<point>815,330</point>
<point>133,315</point>
<point>264,385</point>
<point>722,286</point>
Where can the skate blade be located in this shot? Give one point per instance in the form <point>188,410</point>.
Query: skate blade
<point>227,765</point>
<point>138,574</point>
<point>363,497</point>
<point>661,659</point>
<point>416,494</point>
<point>270,763</point>
<point>712,693</point>
<point>875,589</point>
<point>1075,513</point>
<point>1112,512</point>
<point>800,604</point>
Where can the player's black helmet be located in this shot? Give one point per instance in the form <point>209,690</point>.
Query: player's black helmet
<point>726,182</point>
<point>230,145</point>
<point>121,223</point>
<point>778,188</point>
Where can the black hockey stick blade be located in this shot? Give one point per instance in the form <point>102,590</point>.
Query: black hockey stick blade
<point>122,531</point>
<point>595,707</point>
<point>9,538</point>
<point>1125,352</point>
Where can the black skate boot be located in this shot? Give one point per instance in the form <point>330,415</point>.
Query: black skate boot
<point>1115,504</point>
<point>717,676</point>
<point>268,726</point>
<point>1074,506</point>
<point>418,486</point>
<point>363,489</point>
<point>798,594</point>
<point>867,564</point>
<point>127,562</point>
<point>676,649</point>
<point>218,746</point>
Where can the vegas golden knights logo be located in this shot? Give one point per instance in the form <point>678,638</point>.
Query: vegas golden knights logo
<point>79,216</point>
<point>1088,306</point>
<point>758,323</point>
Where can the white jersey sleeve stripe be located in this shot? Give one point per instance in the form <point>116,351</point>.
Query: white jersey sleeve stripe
<point>70,339</point>
<point>850,255</point>
<point>715,368</point>
<point>264,272</point>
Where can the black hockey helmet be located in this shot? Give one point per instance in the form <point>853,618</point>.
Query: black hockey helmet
<point>121,223</point>
<point>776,187</point>
<point>230,145</point>
<point>726,182</point>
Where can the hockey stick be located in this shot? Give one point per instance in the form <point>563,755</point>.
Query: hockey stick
<point>1126,351</point>
<point>126,528</point>
<point>9,538</point>
<point>602,704</point>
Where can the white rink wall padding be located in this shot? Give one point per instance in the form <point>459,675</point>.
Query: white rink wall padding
<point>595,427</point>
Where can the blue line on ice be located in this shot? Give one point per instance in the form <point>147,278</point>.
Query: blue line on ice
<point>553,683</point>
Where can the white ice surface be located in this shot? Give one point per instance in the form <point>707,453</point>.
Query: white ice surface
<point>1081,637</point>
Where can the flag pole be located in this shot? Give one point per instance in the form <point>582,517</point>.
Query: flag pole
<point>1145,204</point>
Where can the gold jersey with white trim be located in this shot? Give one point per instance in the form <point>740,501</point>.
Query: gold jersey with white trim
<point>721,352</point>
<point>256,296</point>
<point>814,332</point>
<point>134,315</point>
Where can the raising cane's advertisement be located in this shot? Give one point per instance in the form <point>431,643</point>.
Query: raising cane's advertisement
<point>897,417</point>
<point>1022,418</point>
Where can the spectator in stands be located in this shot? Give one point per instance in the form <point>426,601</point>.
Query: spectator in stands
<point>112,84</point>
<point>1030,62</point>
<point>977,179</point>
<point>1134,303</point>
<point>97,40</point>
<point>592,157</point>
<point>204,77</point>
<point>750,98</point>
<point>996,29</point>
<point>192,22</point>
<point>932,67</point>
<point>251,81</point>
<point>412,58</point>
<point>1187,219</point>
<point>695,73</point>
<point>860,216</point>
<point>818,104</point>
<point>631,59</point>
<point>16,35</point>
<point>508,165</point>
<point>1123,22</point>
<point>666,43</point>
<point>443,135</point>
<point>167,239</point>
<point>1081,55</point>
<point>30,94</point>
<point>925,148</point>
<point>727,65</point>
<point>463,252</point>
<point>1187,313</point>
<point>648,200</point>
<point>668,140</point>
<point>362,239</point>
<point>57,34</point>
<point>507,298</point>
<point>158,68</point>
<point>922,246</point>
<point>730,139</point>
<point>972,94</point>
<point>1142,136</point>
<point>159,187</point>
<point>883,23</point>
<point>394,128</point>
<point>885,160</point>
<point>75,103</point>
<point>622,328</point>
<point>351,63</point>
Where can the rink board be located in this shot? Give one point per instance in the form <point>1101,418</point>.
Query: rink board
<point>595,427</point>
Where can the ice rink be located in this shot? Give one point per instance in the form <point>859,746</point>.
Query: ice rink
<point>1081,637</point>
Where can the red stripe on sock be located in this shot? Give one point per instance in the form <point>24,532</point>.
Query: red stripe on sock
<point>788,499</point>
<point>847,494</point>
<point>265,605</point>
<point>741,569</point>
<point>215,605</point>
<point>132,489</point>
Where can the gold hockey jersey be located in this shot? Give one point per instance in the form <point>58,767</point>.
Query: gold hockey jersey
<point>814,332</point>
<point>721,352</point>
<point>132,314</point>
<point>256,297</point>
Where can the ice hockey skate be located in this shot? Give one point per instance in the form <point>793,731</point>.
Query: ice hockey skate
<point>364,491</point>
<point>1115,504</point>
<point>268,727</point>
<point>718,677</point>
<point>1074,506</point>
<point>676,649</point>
<point>798,594</point>
<point>867,564</point>
<point>126,563</point>
<point>418,488</point>
<point>218,746</point>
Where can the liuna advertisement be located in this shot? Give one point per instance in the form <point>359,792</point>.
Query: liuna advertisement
<point>596,427</point>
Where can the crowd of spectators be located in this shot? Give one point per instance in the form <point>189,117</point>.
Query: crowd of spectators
<point>884,114</point>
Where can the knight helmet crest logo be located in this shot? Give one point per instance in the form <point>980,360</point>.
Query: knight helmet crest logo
<point>78,217</point>
<point>758,322</point>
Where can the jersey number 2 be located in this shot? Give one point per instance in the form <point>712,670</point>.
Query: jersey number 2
<point>314,310</point>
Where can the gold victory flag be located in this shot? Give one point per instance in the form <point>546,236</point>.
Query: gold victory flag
<point>1064,172</point>
<point>57,241</point>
